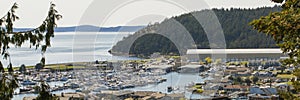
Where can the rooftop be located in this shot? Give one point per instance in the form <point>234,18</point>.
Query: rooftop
<point>235,86</point>
<point>234,51</point>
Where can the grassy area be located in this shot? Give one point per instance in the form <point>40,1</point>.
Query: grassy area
<point>54,67</point>
<point>137,61</point>
<point>200,90</point>
<point>289,83</point>
<point>288,76</point>
<point>17,68</point>
<point>63,67</point>
<point>197,86</point>
<point>175,57</point>
<point>238,63</point>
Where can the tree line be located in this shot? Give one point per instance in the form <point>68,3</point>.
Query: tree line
<point>235,24</point>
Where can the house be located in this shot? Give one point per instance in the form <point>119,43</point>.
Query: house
<point>226,81</point>
<point>234,88</point>
<point>263,74</point>
<point>263,93</point>
<point>282,86</point>
<point>123,94</point>
<point>230,72</point>
<point>212,86</point>
<point>237,71</point>
<point>142,94</point>
<point>259,97</point>
<point>280,80</point>
<point>191,69</point>
<point>244,74</point>
<point>178,96</point>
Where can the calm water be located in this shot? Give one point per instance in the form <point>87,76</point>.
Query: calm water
<point>52,84</point>
<point>70,47</point>
<point>174,79</point>
<point>177,81</point>
<point>77,47</point>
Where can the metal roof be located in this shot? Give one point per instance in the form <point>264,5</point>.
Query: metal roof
<point>234,51</point>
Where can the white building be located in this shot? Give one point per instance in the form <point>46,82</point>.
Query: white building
<point>273,53</point>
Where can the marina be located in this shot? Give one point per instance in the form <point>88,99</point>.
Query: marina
<point>96,82</point>
<point>150,50</point>
<point>156,75</point>
<point>164,75</point>
<point>125,78</point>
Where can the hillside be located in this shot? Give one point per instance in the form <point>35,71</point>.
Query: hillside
<point>235,23</point>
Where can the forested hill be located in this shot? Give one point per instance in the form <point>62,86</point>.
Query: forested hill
<point>235,23</point>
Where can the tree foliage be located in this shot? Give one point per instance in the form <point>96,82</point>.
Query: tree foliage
<point>22,69</point>
<point>154,40</point>
<point>8,83</point>
<point>208,60</point>
<point>39,38</point>
<point>287,95</point>
<point>238,33</point>
<point>254,79</point>
<point>284,27</point>
<point>44,92</point>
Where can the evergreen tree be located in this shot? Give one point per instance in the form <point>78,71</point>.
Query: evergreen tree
<point>39,38</point>
<point>22,69</point>
<point>44,92</point>
<point>284,27</point>
<point>235,24</point>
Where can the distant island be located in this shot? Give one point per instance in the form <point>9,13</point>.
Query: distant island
<point>90,28</point>
<point>235,23</point>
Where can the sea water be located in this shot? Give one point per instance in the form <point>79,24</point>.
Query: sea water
<point>70,47</point>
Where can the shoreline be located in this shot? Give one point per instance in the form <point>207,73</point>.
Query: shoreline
<point>81,63</point>
<point>130,74</point>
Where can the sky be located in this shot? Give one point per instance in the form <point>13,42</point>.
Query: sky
<point>108,13</point>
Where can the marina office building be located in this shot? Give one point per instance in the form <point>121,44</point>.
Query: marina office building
<point>236,54</point>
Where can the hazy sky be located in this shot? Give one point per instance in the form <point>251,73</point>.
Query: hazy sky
<point>116,12</point>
